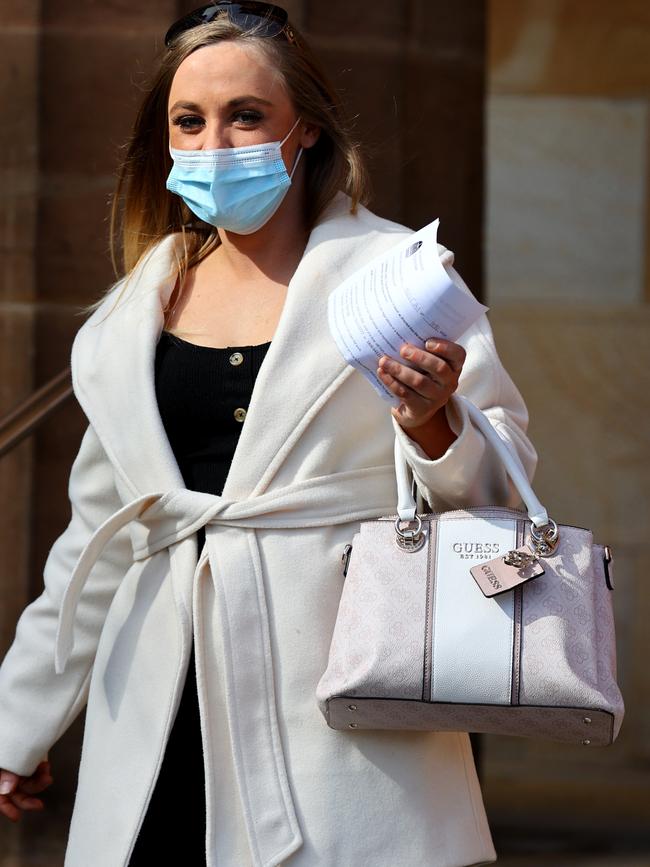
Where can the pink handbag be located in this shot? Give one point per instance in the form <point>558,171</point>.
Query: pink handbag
<point>485,619</point>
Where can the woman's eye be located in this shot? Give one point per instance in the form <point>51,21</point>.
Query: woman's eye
<point>188,122</point>
<point>248,117</point>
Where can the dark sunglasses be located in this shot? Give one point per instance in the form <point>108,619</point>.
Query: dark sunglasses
<point>247,14</point>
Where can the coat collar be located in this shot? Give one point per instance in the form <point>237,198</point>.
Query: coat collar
<point>113,359</point>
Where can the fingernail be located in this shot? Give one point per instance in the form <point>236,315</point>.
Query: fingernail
<point>5,787</point>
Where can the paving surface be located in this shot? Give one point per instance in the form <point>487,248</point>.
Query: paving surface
<point>38,841</point>
<point>558,860</point>
<point>52,856</point>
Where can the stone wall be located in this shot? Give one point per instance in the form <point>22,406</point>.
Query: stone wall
<point>567,279</point>
<point>19,87</point>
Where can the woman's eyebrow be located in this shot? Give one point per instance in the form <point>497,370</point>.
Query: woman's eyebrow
<point>232,103</point>
<point>188,106</point>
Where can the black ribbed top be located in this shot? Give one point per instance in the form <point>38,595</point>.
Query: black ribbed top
<point>198,390</point>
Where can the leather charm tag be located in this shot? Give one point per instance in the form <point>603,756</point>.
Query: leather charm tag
<point>497,576</point>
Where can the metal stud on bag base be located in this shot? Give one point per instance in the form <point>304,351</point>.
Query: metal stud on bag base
<point>571,724</point>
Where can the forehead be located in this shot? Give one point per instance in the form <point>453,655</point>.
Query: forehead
<point>224,70</point>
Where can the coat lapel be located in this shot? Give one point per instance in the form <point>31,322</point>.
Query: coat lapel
<point>113,359</point>
<point>113,374</point>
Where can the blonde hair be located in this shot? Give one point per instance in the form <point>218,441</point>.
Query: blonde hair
<point>144,211</point>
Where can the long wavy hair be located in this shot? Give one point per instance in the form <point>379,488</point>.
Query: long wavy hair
<point>143,210</point>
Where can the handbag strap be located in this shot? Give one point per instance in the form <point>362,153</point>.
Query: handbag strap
<point>406,504</point>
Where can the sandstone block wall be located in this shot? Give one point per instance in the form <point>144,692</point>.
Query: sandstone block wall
<point>567,280</point>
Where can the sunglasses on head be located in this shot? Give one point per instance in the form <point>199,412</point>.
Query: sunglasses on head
<point>248,14</point>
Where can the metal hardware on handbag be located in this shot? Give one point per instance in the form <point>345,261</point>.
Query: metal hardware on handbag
<point>409,540</point>
<point>345,557</point>
<point>444,648</point>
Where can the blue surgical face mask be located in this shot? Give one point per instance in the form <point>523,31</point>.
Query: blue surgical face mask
<point>237,189</point>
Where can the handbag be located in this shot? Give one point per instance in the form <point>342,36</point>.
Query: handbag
<point>482,619</point>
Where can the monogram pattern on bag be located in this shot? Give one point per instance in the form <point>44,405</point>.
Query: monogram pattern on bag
<point>379,633</point>
<point>570,659</point>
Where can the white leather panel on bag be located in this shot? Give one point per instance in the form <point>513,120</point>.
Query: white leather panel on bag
<point>472,641</point>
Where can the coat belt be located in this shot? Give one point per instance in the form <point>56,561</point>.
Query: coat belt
<point>160,521</point>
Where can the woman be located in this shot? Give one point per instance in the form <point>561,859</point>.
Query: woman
<point>191,600</point>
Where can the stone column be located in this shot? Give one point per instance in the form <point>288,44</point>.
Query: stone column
<point>412,74</point>
<point>19,88</point>
<point>567,274</point>
<point>18,202</point>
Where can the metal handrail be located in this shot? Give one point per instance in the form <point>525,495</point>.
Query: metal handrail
<point>32,412</point>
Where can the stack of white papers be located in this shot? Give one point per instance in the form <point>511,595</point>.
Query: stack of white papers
<point>402,296</point>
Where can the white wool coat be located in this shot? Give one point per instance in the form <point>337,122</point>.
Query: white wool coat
<point>126,590</point>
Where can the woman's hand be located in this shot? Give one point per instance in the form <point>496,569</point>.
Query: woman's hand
<point>16,793</point>
<point>424,390</point>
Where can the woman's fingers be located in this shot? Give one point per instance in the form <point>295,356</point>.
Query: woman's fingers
<point>25,802</point>
<point>40,779</point>
<point>438,368</point>
<point>426,386</point>
<point>8,782</point>
<point>453,353</point>
<point>399,387</point>
<point>424,382</point>
<point>8,809</point>
<point>17,793</point>
<point>8,785</point>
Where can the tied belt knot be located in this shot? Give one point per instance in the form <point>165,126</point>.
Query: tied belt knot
<point>163,520</point>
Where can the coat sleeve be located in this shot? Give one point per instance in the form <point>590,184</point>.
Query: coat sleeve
<point>470,472</point>
<point>36,704</point>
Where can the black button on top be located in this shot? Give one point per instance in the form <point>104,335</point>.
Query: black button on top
<point>203,399</point>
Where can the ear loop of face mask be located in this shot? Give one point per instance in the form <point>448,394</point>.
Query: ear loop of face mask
<point>300,149</point>
<point>298,155</point>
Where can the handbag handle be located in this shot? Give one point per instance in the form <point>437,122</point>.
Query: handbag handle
<point>406,504</point>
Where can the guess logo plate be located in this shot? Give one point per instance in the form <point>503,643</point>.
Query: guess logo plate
<point>496,576</point>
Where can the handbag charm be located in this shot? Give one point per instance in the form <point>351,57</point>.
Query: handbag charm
<point>519,565</point>
<point>484,619</point>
